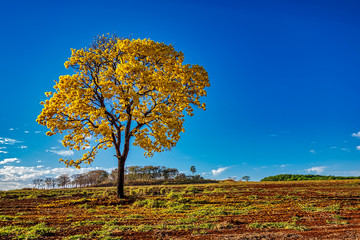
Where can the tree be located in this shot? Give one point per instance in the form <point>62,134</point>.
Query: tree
<point>180,176</point>
<point>80,180</point>
<point>63,180</point>
<point>123,89</point>
<point>53,183</point>
<point>48,182</point>
<point>246,178</point>
<point>170,173</point>
<point>113,175</point>
<point>97,176</point>
<point>38,182</point>
<point>193,169</point>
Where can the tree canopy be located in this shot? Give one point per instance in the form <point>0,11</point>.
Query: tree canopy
<point>301,177</point>
<point>123,89</point>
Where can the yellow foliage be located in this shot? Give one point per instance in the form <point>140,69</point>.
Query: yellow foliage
<point>121,89</point>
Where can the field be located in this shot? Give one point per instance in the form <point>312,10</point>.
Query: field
<point>227,210</point>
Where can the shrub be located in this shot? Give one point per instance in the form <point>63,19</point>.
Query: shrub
<point>149,203</point>
<point>174,195</point>
<point>162,191</point>
<point>191,190</point>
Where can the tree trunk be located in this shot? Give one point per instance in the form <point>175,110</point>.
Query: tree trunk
<point>122,157</point>
<point>121,177</point>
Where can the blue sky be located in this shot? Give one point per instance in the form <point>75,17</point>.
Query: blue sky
<point>284,95</point>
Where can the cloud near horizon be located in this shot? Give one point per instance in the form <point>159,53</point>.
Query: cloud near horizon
<point>218,171</point>
<point>316,170</point>
<point>15,177</point>
<point>9,160</point>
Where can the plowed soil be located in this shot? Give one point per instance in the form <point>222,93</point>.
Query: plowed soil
<point>228,210</point>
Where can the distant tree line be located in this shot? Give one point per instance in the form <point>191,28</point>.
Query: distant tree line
<point>78,180</point>
<point>134,175</point>
<point>300,177</point>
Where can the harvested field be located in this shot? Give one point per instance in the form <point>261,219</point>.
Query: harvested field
<point>228,210</point>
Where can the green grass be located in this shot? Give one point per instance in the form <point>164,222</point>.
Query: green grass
<point>88,223</point>
<point>280,225</point>
<point>7,218</point>
<point>133,216</point>
<point>313,208</point>
<point>77,237</point>
<point>150,203</point>
<point>34,232</point>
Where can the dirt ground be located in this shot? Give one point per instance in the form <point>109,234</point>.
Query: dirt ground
<point>230,210</point>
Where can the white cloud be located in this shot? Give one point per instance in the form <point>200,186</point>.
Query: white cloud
<point>63,153</point>
<point>282,166</point>
<point>357,135</point>
<point>11,129</point>
<point>312,151</point>
<point>9,160</point>
<point>15,177</point>
<point>26,132</point>
<point>316,170</point>
<point>8,141</point>
<point>22,147</point>
<point>218,171</point>
<point>5,185</point>
<point>357,147</point>
<point>3,152</point>
<point>37,132</point>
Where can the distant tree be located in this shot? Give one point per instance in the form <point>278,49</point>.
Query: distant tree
<point>38,183</point>
<point>53,183</point>
<point>151,172</point>
<point>180,176</point>
<point>48,182</point>
<point>113,175</point>
<point>197,177</point>
<point>170,173</point>
<point>193,169</point>
<point>81,179</point>
<point>75,180</point>
<point>300,177</point>
<point>97,176</point>
<point>246,178</point>
<point>123,90</point>
<point>34,182</point>
<point>63,180</point>
<point>133,172</point>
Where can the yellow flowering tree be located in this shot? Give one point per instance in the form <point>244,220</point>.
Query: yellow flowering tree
<point>123,91</point>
